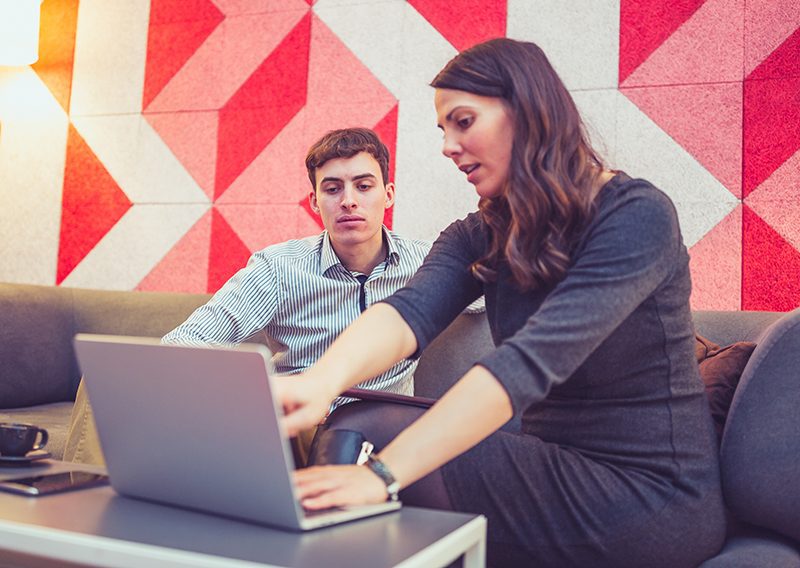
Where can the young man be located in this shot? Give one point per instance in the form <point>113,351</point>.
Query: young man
<point>303,293</point>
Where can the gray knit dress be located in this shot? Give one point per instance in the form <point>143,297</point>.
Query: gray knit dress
<point>616,460</point>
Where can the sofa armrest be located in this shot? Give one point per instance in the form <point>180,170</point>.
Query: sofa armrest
<point>751,546</point>
<point>760,450</point>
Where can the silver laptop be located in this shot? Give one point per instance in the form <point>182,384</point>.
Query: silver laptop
<point>197,427</point>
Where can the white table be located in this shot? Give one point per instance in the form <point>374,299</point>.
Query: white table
<point>97,527</point>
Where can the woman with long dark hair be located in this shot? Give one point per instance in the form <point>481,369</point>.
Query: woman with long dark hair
<point>587,285</point>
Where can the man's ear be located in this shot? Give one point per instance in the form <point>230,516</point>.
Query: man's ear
<point>389,195</point>
<point>312,201</point>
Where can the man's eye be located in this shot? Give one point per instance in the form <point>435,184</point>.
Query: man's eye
<point>364,186</point>
<point>330,189</point>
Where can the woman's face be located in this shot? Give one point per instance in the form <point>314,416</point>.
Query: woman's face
<point>478,136</point>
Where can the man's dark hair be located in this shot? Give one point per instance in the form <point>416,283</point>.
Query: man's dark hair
<point>346,143</point>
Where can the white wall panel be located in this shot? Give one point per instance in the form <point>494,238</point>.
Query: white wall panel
<point>134,246</point>
<point>110,52</point>
<point>33,141</point>
<point>431,191</point>
<point>598,109</point>
<point>645,150</point>
<point>580,37</point>
<point>139,160</point>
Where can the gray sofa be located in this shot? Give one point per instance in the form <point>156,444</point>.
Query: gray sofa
<point>39,374</point>
<point>760,450</point>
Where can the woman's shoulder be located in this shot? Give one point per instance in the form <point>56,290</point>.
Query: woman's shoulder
<point>635,204</point>
<point>624,194</point>
<point>469,233</point>
<point>473,222</point>
<point>469,227</point>
<point>622,188</point>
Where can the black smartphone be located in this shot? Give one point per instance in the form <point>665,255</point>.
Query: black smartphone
<point>49,483</point>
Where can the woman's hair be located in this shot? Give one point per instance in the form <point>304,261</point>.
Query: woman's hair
<point>546,201</point>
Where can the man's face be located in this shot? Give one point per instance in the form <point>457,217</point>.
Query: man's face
<point>351,199</point>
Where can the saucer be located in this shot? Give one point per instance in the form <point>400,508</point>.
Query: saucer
<point>31,457</point>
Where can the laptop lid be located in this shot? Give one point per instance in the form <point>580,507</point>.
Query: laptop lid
<point>196,427</point>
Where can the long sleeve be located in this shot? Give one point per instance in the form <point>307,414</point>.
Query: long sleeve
<point>244,305</point>
<point>444,284</point>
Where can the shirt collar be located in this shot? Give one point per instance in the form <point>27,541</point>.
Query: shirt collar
<point>328,258</point>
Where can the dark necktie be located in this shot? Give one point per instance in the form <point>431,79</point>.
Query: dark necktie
<point>362,297</point>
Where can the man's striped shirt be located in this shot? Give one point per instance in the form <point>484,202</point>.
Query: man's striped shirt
<point>300,295</point>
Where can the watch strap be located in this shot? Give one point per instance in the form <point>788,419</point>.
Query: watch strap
<point>379,468</point>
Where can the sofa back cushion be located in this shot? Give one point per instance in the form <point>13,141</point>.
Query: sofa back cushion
<point>760,451</point>
<point>452,354</point>
<point>146,314</point>
<point>37,324</point>
<point>729,327</point>
<point>36,363</point>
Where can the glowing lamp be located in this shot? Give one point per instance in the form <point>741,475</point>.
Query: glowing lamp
<point>19,31</point>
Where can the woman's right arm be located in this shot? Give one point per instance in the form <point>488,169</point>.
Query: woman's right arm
<point>396,328</point>
<point>378,339</point>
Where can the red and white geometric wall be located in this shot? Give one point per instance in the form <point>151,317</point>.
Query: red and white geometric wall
<point>156,144</point>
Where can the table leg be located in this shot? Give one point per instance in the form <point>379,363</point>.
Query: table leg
<point>475,555</point>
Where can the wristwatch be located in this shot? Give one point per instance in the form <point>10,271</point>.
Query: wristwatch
<point>379,468</point>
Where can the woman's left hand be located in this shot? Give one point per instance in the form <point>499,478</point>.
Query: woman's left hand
<point>338,485</point>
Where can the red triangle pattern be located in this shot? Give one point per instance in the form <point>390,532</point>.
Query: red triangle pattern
<point>772,113</point>
<point>456,20</point>
<point>263,105</point>
<point>185,266</point>
<point>170,11</point>
<point>92,203</point>
<point>227,255</point>
<point>59,22</point>
<point>716,140</point>
<point>770,266</point>
<point>716,266</point>
<point>781,63</point>
<point>645,25</point>
<point>771,127</point>
<point>386,130</point>
<point>176,31</point>
<point>192,137</point>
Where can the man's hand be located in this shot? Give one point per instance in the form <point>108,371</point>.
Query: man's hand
<point>338,485</point>
<point>305,400</point>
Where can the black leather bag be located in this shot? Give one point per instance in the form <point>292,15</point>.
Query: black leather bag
<point>338,447</point>
<point>335,447</point>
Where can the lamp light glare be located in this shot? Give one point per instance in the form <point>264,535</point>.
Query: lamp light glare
<point>19,31</point>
